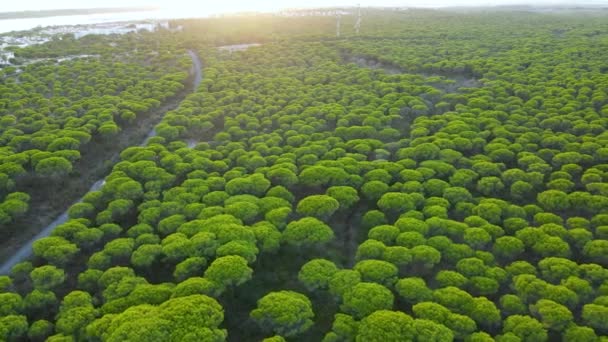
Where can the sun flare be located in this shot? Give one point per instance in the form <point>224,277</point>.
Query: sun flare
<point>194,9</point>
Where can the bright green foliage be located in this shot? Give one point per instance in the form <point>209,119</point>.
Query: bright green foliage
<point>307,231</point>
<point>231,270</point>
<point>344,327</point>
<point>576,333</point>
<point>596,250</point>
<point>189,268</point>
<point>553,315</point>
<point>385,233</point>
<point>245,211</point>
<point>396,203</point>
<point>554,200</point>
<point>319,206</point>
<point>373,218</point>
<point>374,190</point>
<point>370,249</point>
<point>54,166</point>
<point>40,330</point>
<point>508,247</point>
<point>197,285</point>
<point>425,256</point>
<point>451,278</point>
<point>342,281</point>
<point>47,277</point>
<point>146,255</point>
<point>286,313</point>
<point>426,330</point>
<point>385,325</point>
<point>268,237</point>
<point>512,305</point>
<point>397,255</point>
<point>439,160</point>
<point>57,250</point>
<point>13,327</point>
<point>485,313</point>
<point>377,271</point>
<point>192,318</point>
<point>75,313</point>
<point>593,316</point>
<point>5,283</point>
<point>365,298</point>
<point>460,325</point>
<point>413,290</point>
<point>255,185</point>
<point>345,195</point>
<point>317,273</point>
<point>525,327</point>
<point>241,248</point>
<point>11,304</point>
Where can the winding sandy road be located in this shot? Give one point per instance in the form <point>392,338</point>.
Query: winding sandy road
<point>25,251</point>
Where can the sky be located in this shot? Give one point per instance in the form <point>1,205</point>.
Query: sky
<point>262,5</point>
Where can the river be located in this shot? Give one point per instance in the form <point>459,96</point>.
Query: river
<point>177,9</point>
<point>26,250</point>
<point>23,24</point>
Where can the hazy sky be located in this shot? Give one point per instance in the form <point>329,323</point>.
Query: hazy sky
<point>262,5</point>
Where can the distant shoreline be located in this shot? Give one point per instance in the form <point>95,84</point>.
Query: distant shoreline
<point>69,12</point>
<point>588,5</point>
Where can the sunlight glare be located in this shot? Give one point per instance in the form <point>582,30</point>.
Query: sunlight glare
<point>185,8</point>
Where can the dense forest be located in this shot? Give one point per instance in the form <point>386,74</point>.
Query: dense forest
<point>61,115</point>
<point>440,176</point>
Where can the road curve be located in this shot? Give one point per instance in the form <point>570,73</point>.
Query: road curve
<point>26,250</point>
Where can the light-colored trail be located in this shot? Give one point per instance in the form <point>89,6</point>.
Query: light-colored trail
<point>25,251</point>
